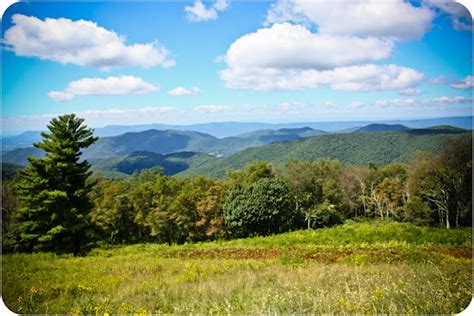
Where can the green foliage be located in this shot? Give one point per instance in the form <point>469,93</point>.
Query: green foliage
<point>113,214</point>
<point>356,149</point>
<point>251,173</point>
<point>9,171</point>
<point>150,206</point>
<point>262,208</point>
<point>53,189</point>
<point>10,233</point>
<point>445,181</point>
<point>324,215</point>
<point>137,161</point>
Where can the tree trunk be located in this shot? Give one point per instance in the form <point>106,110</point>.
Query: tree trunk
<point>447,219</point>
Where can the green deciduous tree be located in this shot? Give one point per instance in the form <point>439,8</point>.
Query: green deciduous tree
<point>445,181</point>
<point>53,189</point>
<point>262,208</point>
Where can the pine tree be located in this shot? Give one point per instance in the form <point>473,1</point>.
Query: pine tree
<point>53,189</point>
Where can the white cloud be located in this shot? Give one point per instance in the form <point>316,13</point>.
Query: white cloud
<point>60,96</point>
<point>460,17</point>
<point>290,57</point>
<point>211,108</point>
<point>99,86</point>
<point>450,100</point>
<point>467,83</point>
<point>410,91</point>
<point>395,19</point>
<point>181,91</point>
<point>396,103</point>
<point>353,78</point>
<point>199,13</point>
<point>162,110</point>
<point>80,42</point>
<point>221,5</point>
<point>414,102</point>
<point>293,46</point>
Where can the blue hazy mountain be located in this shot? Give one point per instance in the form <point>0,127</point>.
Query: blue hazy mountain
<point>229,129</point>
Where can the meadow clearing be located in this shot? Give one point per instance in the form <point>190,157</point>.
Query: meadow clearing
<point>370,267</point>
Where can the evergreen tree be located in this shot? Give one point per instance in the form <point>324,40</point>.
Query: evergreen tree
<point>53,189</point>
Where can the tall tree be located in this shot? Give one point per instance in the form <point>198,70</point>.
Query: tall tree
<point>53,189</point>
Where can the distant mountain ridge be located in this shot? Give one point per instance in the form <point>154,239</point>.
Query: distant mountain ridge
<point>232,129</point>
<point>171,141</point>
<point>381,128</point>
<point>20,156</point>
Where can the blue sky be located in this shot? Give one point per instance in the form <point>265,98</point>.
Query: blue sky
<point>194,62</point>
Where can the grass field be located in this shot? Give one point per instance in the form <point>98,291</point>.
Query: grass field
<point>354,268</point>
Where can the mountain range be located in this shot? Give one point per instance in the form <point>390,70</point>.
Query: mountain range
<point>230,129</point>
<point>357,148</point>
<point>171,141</point>
<point>191,153</point>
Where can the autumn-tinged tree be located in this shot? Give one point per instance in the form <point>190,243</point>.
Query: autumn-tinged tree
<point>53,189</point>
<point>113,214</point>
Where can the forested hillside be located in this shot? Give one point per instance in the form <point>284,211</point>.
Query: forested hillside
<point>20,156</point>
<point>356,149</point>
<point>137,161</point>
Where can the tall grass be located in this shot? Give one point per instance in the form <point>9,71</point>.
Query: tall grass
<point>353,268</point>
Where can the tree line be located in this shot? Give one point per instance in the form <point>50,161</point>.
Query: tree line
<point>55,205</point>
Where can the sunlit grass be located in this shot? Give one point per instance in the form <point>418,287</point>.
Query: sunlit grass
<point>382,269</point>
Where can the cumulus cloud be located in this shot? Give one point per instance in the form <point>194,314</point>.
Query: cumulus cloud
<point>353,78</point>
<point>199,13</point>
<point>211,108</point>
<point>460,17</point>
<point>100,86</point>
<point>80,42</point>
<point>290,57</point>
<point>181,91</point>
<point>395,19</point>
<point>293,46</point>
<point>467,83</point>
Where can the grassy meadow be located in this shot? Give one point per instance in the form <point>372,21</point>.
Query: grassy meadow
<point>371,267</point>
